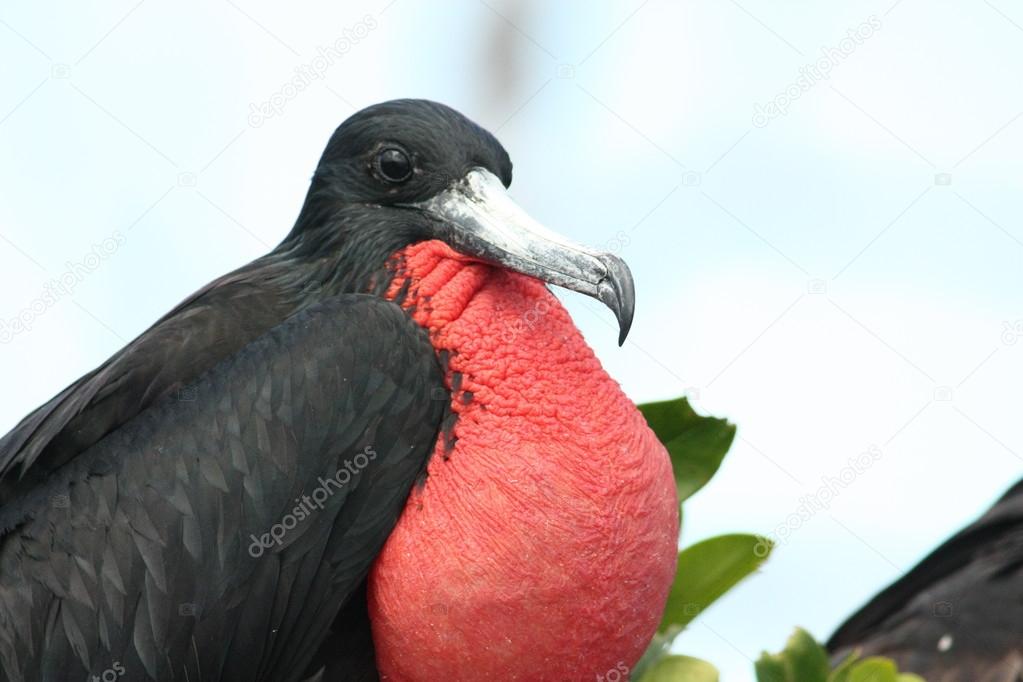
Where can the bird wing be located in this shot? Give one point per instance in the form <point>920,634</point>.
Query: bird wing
<point>960,586</point>
<point>207,327</point>
<point>217,537</point>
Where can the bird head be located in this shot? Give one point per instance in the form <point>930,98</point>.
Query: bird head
<point>418,170</point>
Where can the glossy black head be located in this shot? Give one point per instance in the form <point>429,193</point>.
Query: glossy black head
<point>405,151</point>
<point>410,170</point>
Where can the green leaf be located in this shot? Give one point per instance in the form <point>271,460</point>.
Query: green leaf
<point>909,677</point>
<point>770,668</point>
<point>681,669</point>
<point>805,659</point>
<point>707,570</point>
<point>802,660</point>
<point>874,669</point>
<point>696,444</point>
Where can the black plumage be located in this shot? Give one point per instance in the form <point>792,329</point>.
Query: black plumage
<point>958,614</point>
<point>138,552</point>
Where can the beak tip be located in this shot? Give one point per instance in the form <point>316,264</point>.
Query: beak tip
<point>618,292</point>
<point>624,315</point>
<point>624,324</point>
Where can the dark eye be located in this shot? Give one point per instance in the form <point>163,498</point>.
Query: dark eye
<point>394,165</point>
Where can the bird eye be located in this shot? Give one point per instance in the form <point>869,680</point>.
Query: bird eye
<point>394,165</point>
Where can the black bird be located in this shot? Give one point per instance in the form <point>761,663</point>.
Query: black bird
<point>207,504</point>
<point>957,616</point>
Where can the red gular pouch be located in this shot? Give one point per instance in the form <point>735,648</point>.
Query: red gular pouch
<point>542,544</point>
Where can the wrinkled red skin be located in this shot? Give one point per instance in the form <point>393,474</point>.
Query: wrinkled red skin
<point>543,546</point>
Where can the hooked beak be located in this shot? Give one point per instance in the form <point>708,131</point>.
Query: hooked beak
<point>479,219</point>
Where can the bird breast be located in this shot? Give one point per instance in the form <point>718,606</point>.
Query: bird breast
<point>543,543</point>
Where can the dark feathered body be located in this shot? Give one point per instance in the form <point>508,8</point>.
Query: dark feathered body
<point>340,256</point>
<point>136,552</point>
<point>957,615</point>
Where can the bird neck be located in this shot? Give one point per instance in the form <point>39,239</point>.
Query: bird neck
<point>337,248</point>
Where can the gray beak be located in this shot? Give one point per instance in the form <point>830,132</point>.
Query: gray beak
<point>479,219</point>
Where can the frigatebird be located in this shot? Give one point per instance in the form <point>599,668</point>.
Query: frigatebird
<point>382,449</point>
<point>957,616</point>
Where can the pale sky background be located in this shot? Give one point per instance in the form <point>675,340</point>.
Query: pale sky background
<point>848,276</point>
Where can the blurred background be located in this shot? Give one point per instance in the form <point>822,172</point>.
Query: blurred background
<point>820,203</point>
